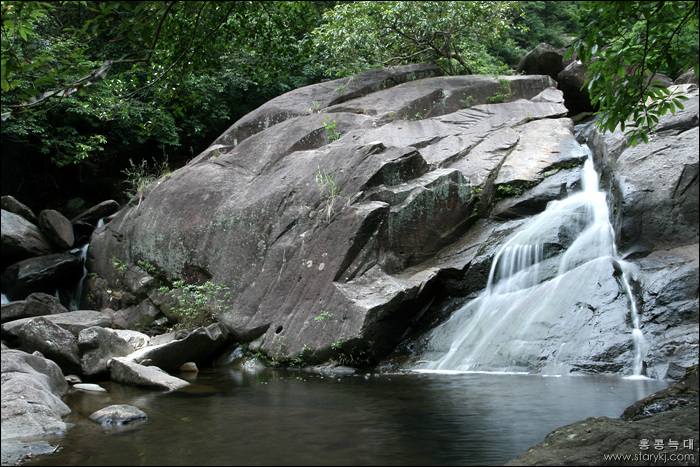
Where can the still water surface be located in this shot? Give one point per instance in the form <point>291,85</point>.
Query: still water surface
<point>285,417</point>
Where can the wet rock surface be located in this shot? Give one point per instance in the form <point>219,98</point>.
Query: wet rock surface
<point>119,414</point>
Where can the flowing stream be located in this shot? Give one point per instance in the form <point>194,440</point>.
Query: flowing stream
<point>553,256</point>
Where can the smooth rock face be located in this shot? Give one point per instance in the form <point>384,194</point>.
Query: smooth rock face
<point>326,226</point>
<point>54,342</point>
<point>21,239</point>
<point>654,193</point>
<point>97,346</point>
<point>340,239</point>
<point>32,388</point>
<point>57,229</point>
<point>9,203</point>
<point>127,372</point>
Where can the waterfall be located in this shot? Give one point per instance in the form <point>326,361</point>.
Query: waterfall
<point>542,270</point>
<point>76,294</point>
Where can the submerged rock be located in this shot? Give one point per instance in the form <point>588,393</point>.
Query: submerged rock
<point>118,414</point>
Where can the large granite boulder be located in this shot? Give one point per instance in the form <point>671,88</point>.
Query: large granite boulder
<point>21,239</point>
<point>127,372</point>
<point>572,82</point>
<point>32,388</point>
<point>654,197</point>
<point>335,227</point>
<point>9,203</point>
<point>97,346</point>
<point>300,227</point>
<point>42,274</point>
<point>54,342</point>
<point>197,346</point>
<point>97,212</point>
<point>542,60</point>
<point>36,304</point>
<point>57,229</point>
<point>72,321</point>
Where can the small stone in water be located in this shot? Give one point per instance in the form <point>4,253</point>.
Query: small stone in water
<point>189,367</point>
<point>119,414</point>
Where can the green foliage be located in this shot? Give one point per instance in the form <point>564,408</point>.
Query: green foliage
<point>329,189</point>
<point>330,126</point>
<point>623,44</point>
<point>516,190</point>
<point>504,93</point>
<point>534,23</point>
<point>140,176</point>
<point>343,351</point>
<point>196,305</point>
<point>357,36</point>
<point>324,315</point>
<point>119,265</point>
<point>181,71</point>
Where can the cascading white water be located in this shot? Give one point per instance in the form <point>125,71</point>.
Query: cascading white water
<point>74,300</point>
<point>76,294</point>
<point>506,327</point>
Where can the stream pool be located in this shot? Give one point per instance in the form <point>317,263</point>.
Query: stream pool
<point>290,417</point>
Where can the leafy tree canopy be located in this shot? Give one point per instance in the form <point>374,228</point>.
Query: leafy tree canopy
<point>157,70</point>
<point>624,44</point>
<point>454,35</point>
<point>534,23</point>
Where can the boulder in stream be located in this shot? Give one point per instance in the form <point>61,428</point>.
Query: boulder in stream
<point>125,371</point>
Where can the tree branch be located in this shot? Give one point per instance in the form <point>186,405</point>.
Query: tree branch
<point>156,34</point>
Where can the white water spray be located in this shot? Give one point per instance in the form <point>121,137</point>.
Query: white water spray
<point>554,256</point>
<point>78,291</point>
<point>81,252</point>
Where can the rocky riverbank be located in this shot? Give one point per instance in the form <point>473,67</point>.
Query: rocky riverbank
<point>340,217</point>
<point>661,429</point>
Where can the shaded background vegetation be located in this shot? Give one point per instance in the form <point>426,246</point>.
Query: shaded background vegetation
<point>182,72</point>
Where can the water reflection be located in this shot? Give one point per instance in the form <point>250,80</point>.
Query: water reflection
<point>281,417</point>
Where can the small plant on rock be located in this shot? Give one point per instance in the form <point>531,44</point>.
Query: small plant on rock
<point>331,127</point>
<point>140,176</point>
<point>504,93</point>
<point>119,265</point>
<point>196,305</point>
<point>327,182</point>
